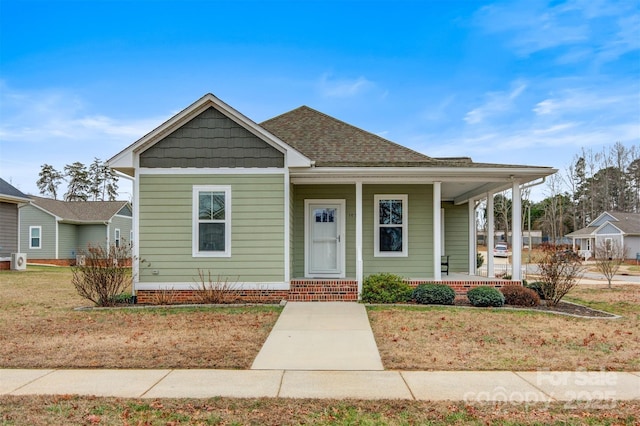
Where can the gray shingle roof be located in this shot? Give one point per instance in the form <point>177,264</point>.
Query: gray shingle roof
<point>333,143</point>
<point>9,190</point>
<point>629,223</point>
<point>80,211</point>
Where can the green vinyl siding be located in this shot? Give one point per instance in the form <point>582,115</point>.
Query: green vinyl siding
<point>324,192</point>
<point>456,236</point>
<point>257,228</point>
<point>419,262</point>
<point>32,216</point>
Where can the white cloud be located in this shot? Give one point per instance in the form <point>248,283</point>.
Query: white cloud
<point>594,29</point>
<point>343,88</point>
<point>496,103</point>
<point>47,116</point>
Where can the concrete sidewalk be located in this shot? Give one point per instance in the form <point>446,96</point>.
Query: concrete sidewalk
<point>320,336</point>
<point>536,386</point>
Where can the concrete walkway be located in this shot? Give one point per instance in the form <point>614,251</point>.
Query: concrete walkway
<point>600,388</point>
<point>320,336</point>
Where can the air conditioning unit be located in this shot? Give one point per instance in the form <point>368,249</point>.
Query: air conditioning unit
<point>81,260</point>
<point>18,261</point>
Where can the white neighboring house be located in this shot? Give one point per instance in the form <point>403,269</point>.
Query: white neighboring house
<point>609,226</point>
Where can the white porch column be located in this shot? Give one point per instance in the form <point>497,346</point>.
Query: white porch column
<point>472,237</point>
<point>437,234</point>
<point>490,236</point>
<point>516,233</point>
<point>359,264</point>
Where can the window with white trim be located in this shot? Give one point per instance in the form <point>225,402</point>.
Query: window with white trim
<point>117,237</point>
<point>391,225</point>
<point>35,237</point>
<point>211,221</point>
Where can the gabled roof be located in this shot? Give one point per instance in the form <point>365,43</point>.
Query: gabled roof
<point>124,161</point>
<point>80,211</point>
<point>628,223</point>
<point>9,193</point>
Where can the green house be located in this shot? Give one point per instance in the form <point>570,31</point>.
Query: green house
<point>55,232</point>
<point>302,206</point>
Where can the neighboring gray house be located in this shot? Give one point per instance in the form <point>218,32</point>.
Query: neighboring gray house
<point>53,231</point>
<point>609,228</point>
<point>10,199</point>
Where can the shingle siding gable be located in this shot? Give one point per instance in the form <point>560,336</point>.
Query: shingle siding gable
<point>211,140</point>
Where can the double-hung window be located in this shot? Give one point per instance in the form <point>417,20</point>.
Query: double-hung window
<point>391,227</point>
<point>211,221</point>
<point>35,237</point>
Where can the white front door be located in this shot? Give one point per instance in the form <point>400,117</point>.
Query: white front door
<point>324,236</point>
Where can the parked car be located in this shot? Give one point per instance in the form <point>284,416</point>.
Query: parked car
<point>501,250</point>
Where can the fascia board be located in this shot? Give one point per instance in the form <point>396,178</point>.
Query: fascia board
<point>439,174</point>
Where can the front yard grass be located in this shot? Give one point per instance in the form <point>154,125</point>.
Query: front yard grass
<point>446,338</point>
<point>40,329</point>
<point>67,409</point>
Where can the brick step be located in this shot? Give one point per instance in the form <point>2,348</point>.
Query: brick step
<point>318,290</point>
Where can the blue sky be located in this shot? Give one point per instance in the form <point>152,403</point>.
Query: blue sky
<point>520,82</point>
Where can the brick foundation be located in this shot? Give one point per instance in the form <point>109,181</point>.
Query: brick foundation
<point>5,265</point>
<point>159,297</point>
<point>304,290</point>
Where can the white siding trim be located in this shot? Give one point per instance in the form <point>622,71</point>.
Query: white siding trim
<point>287,228</point>
<point>437,237</point>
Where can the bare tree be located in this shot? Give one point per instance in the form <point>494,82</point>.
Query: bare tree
<point>560,271</point>
<point>609,255</point>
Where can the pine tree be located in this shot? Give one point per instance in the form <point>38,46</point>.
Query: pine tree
<point>96,180</point>
<point>49,181</point>
<point>78,188</point>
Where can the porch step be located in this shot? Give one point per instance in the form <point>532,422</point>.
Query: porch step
<point>323,290</point>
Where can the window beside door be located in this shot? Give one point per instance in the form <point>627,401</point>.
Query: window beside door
<point>390,225</point>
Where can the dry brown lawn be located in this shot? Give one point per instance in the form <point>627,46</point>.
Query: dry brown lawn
<point>68,409</point>
<point>448,338</point>
<point>40,329</point>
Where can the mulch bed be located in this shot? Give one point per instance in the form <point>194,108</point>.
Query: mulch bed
<point>561,308</point>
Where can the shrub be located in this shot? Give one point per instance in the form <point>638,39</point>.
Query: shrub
<point>485,296</point>
<point>537,287</point>
<point>479,260</point>
<point>520,296</point>
<point>385,288</point>
<point>434,294</point>
<point>104,274</point>
<point>559,272</point>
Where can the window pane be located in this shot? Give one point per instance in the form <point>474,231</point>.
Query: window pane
<point>390,212</point>
<point>391,239</point>
<point>211,206</point>
<point>211,237</point>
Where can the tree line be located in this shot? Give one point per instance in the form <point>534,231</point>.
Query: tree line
<point>94,183</point>
<point>594,182</point>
